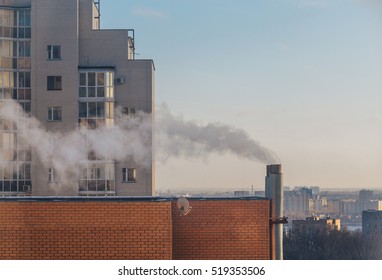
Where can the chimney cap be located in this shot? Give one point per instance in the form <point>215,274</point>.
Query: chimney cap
<point>274,169</point>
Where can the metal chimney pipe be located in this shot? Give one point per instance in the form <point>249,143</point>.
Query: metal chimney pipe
<point>274,191</point>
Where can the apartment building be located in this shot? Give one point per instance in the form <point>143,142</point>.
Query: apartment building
<point>67,72</point>
<point>372,222</point>
<point>315,223</point>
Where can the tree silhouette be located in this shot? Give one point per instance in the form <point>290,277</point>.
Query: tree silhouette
<point>316,244</point>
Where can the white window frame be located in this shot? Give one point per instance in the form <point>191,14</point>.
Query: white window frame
<point>51,51</point>
<point>51,114</point>
<point>53,176</point>
<point>107,85</point>
<point>125,175</point>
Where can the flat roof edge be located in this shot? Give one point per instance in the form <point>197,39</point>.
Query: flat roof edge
<point>15,7</point>
<point>97,67</point>
<point>118,198</point>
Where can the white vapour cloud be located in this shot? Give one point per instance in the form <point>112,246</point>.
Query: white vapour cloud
<point>131,138</point>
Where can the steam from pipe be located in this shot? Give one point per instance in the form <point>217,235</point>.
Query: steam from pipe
<point>177,137</point>
<point>130,138</point>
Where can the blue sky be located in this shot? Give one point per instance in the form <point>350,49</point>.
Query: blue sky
<point>302,77</point>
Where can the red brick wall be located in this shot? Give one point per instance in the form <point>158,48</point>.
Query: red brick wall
<point>85,230</point>
<point>222,229</point>
<point>130,229</point>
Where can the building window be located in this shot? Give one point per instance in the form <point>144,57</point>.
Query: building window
<point>15,81</point>
<point>54,82</point>
<point>24,48</point>
<point>96,84</point>
<point>128,111</point>
<point>54,52</point>
<point>24,79</point>
<point>92,110</point>
<point>96,177</point>
<point>15,177</point>
<point>129,175</point>
<point>52,175</point>
<point>95,114</point>
<point>54,114</point>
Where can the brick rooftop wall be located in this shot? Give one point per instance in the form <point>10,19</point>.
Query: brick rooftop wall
<point>222,229</point>
<point>99,229</point>
<point>85,230</point>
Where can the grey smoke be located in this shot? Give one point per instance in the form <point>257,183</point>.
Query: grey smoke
<point>177,137</point>
<point>129,138</point>
<point>67,151</point>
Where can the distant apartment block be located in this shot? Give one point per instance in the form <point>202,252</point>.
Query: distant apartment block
<point>372,222</point>
<point>365,196</point>
<point>241,193</point>
<point>298,203</point>
<point>350,207</point>
<point>67,72</point>
<point>375,205</point>
<point>260,193</point>
<point>334,207</point>
<point>315,223</point>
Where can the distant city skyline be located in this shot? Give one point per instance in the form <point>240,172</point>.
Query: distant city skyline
<point>301,77</point>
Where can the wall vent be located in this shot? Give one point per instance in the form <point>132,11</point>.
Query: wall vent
<point>120,80</point>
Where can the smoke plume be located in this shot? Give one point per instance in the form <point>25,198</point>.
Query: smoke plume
<point>130,138</point>
<point>177,137</point>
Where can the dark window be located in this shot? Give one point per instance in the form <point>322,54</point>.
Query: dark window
<point>54,83</point>
<point>92,110</point>
<point>50,175</point>
<point>54,52</point>
<point>82,79</point>
<point>24,79</point>
<point>83,110</point>
<point>128,111</point>
<point>91,79</point>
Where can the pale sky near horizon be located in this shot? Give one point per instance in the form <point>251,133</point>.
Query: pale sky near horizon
<point>302,77</point>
